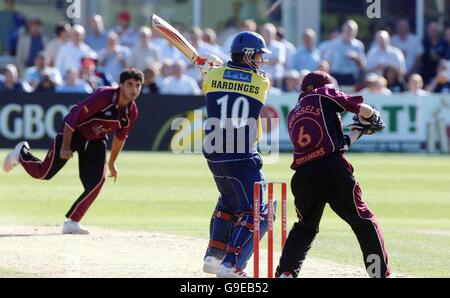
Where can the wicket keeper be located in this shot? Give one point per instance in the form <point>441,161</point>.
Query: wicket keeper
<point>323,175</point>
<point>86,128</point>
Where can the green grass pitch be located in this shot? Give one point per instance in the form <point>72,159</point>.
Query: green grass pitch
<point>163,192</point>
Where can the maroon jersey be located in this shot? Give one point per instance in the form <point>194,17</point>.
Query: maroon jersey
<point>100,115</point>
<point>315,127</point>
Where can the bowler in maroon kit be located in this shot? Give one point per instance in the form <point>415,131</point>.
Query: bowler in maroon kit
<point>323,175</point>
<point>86,128</point>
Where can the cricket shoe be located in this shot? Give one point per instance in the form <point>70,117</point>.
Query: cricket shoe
<point>231,272</point>
<point>12,159</point>
<point>74,228</point>
<point>211,264</point>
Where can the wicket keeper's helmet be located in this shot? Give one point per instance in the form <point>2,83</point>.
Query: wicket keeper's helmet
<point>249,43</point>
<point>316,79</point>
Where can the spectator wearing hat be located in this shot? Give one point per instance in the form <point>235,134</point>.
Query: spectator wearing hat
<point>179,83</point>
<point>11,21</point>
<point>144,53</point>
<point>375,84</point>
<point>115,57</point>
<point>409,44</point>
<point>73,84</point>
<point>96,40</point>
<point>62,31</point>
<point>415,86</point>
<point>128,36</point>
<point>69,55</point>
<point>91,74</point>
<point>30,44</point>
<point>33,75</point>
<point>346,55</point>
<point>308,55</point>
<point>11,82</point>
<point>383,55</point>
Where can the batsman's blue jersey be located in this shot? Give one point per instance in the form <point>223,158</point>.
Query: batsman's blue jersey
<point>234,98</point>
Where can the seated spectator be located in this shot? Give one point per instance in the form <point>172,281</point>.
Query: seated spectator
<point>149,86</point>
<point>383,55</point>
<point>11,81</point>
<point>33,75</point>
<point>91,74</point>
<point>325,67</point>
<point>46,84</point>
<point>179,83</point>
<point>128,37</point>
<point>307,56</point>
<point>96,40</point>
<point>144,53</point>
<point>11,21</point>
<point>245,25</point>
<point>277,59</point>
<point>30,44</point>
<point>115,57</point>
<point>210,39</point>
<point>291,81</point>
<point>288,46</point>
<point>166,70</point>
<point>301,75</point>
<point>62,31</point>
<point>434,49</point>
<point>73,84</point>
<point>415,86</point>
<point>409,44</point>
<point>447,43</point>
<point>441,82</point>
<point>324,46</point>
<point>273,91</point>
<point>70,54</point>
<point>346,55</point>
<point>375,84</point>
<point>166,51</point>
<point>395,81</point>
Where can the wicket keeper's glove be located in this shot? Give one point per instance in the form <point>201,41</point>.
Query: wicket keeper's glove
<point>368,126</point>
<point>211,61</point>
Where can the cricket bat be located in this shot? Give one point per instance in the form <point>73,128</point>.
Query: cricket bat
<point>174,37</point>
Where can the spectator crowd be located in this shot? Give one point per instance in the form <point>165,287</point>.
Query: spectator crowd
<point>76,62</point>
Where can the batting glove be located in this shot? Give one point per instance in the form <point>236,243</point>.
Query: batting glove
<point>206,62</point>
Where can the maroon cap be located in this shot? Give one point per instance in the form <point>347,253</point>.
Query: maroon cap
<point>124,15</point>
<point>316,79</point>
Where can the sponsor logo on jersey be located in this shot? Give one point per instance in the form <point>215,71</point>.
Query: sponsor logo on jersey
<point>236,75</point>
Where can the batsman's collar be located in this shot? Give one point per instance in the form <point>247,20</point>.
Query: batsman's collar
<point>239,66</point>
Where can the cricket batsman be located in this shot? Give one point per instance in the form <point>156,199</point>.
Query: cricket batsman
<point>323,175</point>
<point>86,128</point>
<point>235,94</point>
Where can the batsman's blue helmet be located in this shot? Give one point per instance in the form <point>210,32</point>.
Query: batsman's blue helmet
<point>248,42</point>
